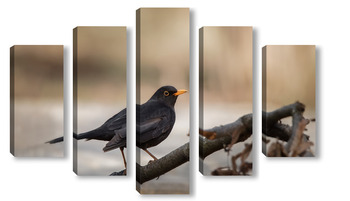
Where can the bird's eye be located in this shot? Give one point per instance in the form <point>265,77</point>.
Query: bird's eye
<point>166,93</point>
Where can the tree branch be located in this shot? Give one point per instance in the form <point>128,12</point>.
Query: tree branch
<point>163,165</point>
<point>207,147</point>
<point>225,136</point>
<point>293,135</point>
<point>181,155</point>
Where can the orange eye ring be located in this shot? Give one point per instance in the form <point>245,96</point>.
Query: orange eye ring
<point>166,93</point>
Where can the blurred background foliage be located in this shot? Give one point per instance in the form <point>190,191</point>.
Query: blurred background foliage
<point>38,72</point>
<point>164,48</point>
<point>101,64</point>
<point>227,64</point>
<point>37,84</point>
<point>290,75</point>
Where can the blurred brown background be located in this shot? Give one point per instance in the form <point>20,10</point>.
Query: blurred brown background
<point>163,59</point>
<point>101,57</point>
<point>227,67</point>
<point>226,64</point>
<point>101,93</point>
<point>36,99</point>
<point>164,49</point>
<point>290,76</point>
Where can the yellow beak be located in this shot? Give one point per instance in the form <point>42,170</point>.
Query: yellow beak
<point>179,92</point>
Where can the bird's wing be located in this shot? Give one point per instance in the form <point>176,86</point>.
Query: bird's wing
<point>153,119</point>
<point>117,141</point>
<point>149,129</point>
<point>154,125</point>
<point>148,125</point>
<point>111,127</point>
<point>117,122</point>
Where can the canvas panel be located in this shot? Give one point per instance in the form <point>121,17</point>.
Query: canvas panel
<point>163,59</point>
<point>36,100</point>
<point>225,96</point>
<point>99,92</point>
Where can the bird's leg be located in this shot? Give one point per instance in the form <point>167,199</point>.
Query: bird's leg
<point>151,160</point>
<point>122,150</point>
<point>149,153</point>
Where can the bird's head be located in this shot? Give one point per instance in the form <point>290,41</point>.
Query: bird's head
<point>167,94</point>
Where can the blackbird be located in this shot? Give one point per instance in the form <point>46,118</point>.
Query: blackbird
<point>154,122</point>
<point>115,125</point>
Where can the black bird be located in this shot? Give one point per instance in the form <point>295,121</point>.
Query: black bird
<point>154,120</point>
<point>114,126</point>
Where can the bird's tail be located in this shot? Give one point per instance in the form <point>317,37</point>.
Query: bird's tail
<point>90,135</point>
<point>56,140</point>
<point>60,139</point>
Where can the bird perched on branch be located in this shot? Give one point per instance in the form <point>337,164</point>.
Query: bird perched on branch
<point>154,122</point>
